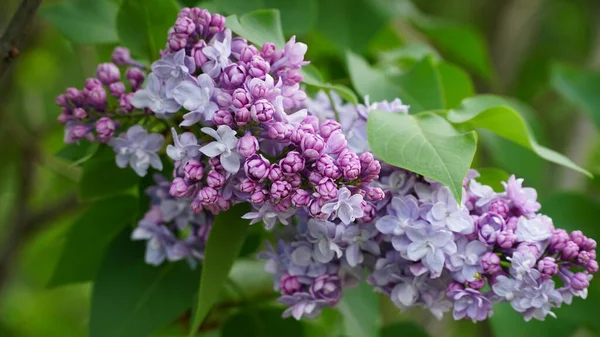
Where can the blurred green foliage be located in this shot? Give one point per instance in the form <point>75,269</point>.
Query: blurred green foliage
<point>544,52</point>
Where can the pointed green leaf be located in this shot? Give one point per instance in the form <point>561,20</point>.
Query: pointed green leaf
<point>420,86</point>
<point>456,83</point>
<point>78,153</point>
<point>262,322</point>
<point>102,177</point>
<point>133,299</point>
<point>223,246</point>
<point>425,143</point>
<point>370,81</point>
<point>84,21</point>
<point>360,308</point>
<point>579,86</point>
<point>143,25</point>
<point>498,115</point>
<point>258,27</point>
<point>312,77</point>
<point>462,43</point>
<point>349,24</point>
<point>409,329</point>
<point>88,238</point>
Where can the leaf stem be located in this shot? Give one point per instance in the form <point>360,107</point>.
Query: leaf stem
<point>337,114</point>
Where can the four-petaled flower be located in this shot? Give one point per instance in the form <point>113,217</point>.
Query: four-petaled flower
<point>224,146</point>
<point>186,146</point>
<point>346,207</point>
<point>154,98</point>
<point>137,148</point>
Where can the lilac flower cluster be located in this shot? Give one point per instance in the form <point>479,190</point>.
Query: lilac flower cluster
<point>248,133</point>
<point>255,143</point>
<point>167,216</point>
<point>421,247</point>
<point>104,105</point>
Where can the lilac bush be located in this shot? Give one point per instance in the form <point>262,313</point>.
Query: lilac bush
<point>242,129</point>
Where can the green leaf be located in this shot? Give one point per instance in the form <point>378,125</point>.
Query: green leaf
<point>497,115</point>
<point>297,16</point>
<point>420,87</point>
<point>411,329</point>
<point>312,77</point>
<point>370,81</point>
<point>580,86</point>
<point>223,246</point>
<point>258,27</point>
<point>360,308</point>
<point>88,238</point>
<point>462,43</point>
<point>78,153</point>
<point>261,322</point>
<point>133,299</point>
<point>493,177</point>
<point>102,177</point>
<point>143,25</point>
<point>456,83</point>
<point>506,322</point>
<point>425,143</point>
<point>350,24</point>
<point>84,21</point>
<point>415,51</point>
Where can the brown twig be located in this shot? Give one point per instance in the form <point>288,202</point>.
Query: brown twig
<point>15,33</point>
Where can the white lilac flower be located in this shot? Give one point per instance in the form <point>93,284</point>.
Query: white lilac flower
<point>218,54</point>
<point>185,146</point>
<point>523,266</point>
<point>398,183</point>
<point>535,300</point>
<point>161,242</point>
<point>395,106</point>
<point>404,295</point>
<point>174,68</point>
<point>485,194</point>
<point>224,147</point>
<point>137,148</point>
<point>533,230</point>
<point>280,115</point>
<point>403,212</point>
<point>466,263</point>
<point>323,235</point>
<point>358,240</point>
<point>346,207</point>
<point>301,305</point>
<point>154,98</point>
<point>446,212</point>
<point>269,216</point>
<point>303,262</point>
<point>430,247</point>
<point>195,96</point>
<point>506,288</point>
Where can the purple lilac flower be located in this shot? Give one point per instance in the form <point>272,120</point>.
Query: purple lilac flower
<point>137,148</point>
<point>223,147</point>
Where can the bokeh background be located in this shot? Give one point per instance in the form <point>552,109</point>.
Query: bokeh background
<point>545,53</point>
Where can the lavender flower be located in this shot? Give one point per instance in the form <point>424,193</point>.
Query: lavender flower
<point>346,207</point>
<point>154,98</point>
<point>195,96</point>
<point>470,303</point>
<point>224,147</point>
<point>186,146</point>
<point>138,149</point>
